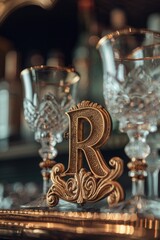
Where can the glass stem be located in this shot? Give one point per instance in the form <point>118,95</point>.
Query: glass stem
<point>46,185</point>
<point>153,183</point>
<point>137,149</point>
<point>48,152</point>
<point>46,166</point>
<point>138,187</point>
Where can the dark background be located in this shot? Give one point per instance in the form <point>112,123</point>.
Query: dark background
<point>32,27</point>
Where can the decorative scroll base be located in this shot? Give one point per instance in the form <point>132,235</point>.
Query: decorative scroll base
<point>84,186</point>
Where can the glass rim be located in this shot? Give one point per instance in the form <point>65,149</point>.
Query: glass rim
<point>129,31</point>
<point>140,58</point>
<point>45,67</point>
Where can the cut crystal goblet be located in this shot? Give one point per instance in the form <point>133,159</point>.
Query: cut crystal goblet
<point>131,88</point>
<point>49,92</point>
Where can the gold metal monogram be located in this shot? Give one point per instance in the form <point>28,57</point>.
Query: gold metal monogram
<point>77,184</point>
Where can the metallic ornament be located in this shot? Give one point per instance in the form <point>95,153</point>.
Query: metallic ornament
<point>76,184</point>
<point>8,6</point>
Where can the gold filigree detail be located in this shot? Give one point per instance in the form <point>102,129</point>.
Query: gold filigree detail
<point>85,104</point>
<point>76,184</point>
<point>84,186</point>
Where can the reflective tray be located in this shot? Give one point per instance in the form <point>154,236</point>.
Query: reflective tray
<point>54,224</point>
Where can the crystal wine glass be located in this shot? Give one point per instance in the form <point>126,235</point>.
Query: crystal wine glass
<point>49,92</point>
<point>131,88</point>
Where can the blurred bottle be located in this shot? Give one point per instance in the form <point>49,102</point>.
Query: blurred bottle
<point>117,20</point>
<point>55,58</point>
<point>86,58</point>
<point>153,22</point>
<point>81,60</point>
<point>4,109</point>
<point>81,63</point>
<point>5,46</point>
<point>15,92</point>
<point>33,58</point>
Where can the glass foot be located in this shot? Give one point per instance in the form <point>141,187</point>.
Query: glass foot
<point>39,203</point>
<point>138,204</point>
